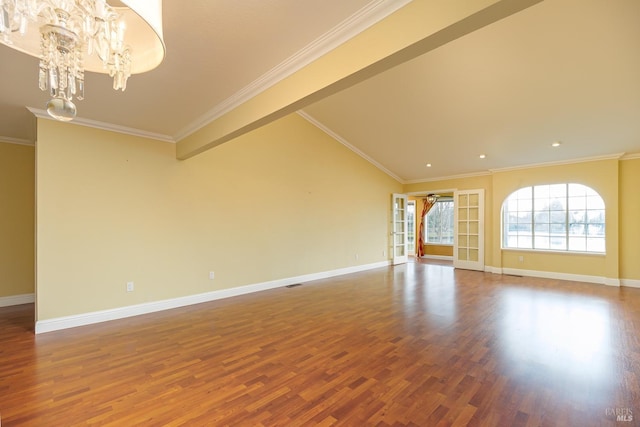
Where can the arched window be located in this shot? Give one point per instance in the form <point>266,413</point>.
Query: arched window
<point>556,217</point>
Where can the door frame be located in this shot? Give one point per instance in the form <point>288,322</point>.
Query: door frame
<point>462,253</point>
<point>399,228</point>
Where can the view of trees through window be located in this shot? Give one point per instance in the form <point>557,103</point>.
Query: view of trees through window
<point>566,217</point>
<point>439,221</point>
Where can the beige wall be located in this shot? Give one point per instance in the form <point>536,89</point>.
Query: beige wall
<point>630,219</point>
<point>282,201</point>
<point>615,180</point>
<point>438,250</point>
<point>16,219</point>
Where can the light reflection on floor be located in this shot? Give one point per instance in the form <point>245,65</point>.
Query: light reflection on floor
<point>558,340</point>
<point>564,340</point>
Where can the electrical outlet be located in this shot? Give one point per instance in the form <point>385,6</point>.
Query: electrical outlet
<point>357,257</point>
<point>521,258</point>
<point>129,286</point>
<point>212,275</point>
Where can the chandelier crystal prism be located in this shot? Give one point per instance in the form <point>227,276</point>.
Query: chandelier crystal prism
<point>73,36</point>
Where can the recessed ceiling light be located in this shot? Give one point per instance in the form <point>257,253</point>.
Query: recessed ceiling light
<point>556,144</point>
<point>483,156</point>
<point>428,165</point>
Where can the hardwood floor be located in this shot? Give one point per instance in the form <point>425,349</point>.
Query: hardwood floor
<point>413,345</point>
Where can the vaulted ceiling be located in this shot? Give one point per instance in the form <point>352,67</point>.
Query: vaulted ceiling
<point>559,70</point>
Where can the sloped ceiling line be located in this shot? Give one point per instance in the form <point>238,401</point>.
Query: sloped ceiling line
<point>346,143</point>
<point>18,141</point>
<point>374,12</point>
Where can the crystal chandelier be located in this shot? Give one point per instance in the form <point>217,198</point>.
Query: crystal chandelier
<point>73,36</point>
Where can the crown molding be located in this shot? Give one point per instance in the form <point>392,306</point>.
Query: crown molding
<point>346,143</point>
<point>445,178</point>
<point>42,114</point>
<point>630,156</point>
<point>615,156</point>
<point>372,13</point>
<point>17,141</point>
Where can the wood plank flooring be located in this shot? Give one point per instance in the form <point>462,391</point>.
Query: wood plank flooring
<point>419,344</point>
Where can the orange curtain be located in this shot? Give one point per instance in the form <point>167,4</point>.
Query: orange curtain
<point>426,207</point>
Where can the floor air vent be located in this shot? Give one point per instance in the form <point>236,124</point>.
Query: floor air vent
<point>293,286</point>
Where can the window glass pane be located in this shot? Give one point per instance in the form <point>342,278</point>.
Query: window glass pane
<point>577,229</point>
<point>558,191</point>
<point>525,205</point>
<point>558,243</point>
<point>541,229</point>
<point>541,192</point>
<point>577,244</point>
<point>525,228</point>
<point>559,229</point>
<point>542,242</point>
<point>523,193</point>
<point>513,228</point>
<point>577,203</point>
<point>577,190</point>
<point>577,216</point>
<point>590,192</point>
<point>595,216</point>
<point>595,202</point>
<point>513,218</point>
<point>524,242</point>
<point>542,217</point>
<point>558,217</point>
<point>595,244</point>
<point>524,218</point>
<point>558,205</point>
<point>595,230</point>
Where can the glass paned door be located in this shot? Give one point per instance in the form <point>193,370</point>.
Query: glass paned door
<point>399,204</point>
<point>468,244</point>
<point>411,228</point>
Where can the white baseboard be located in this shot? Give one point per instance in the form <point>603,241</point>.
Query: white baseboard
<point>59,323</point>
<point>630,283</point>
<point>439,257</point>
<point>491,269</point>
<point>561,276</point>
<point>17,300</point>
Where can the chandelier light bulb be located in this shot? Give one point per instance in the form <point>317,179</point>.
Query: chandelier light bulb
<point>61,109</point>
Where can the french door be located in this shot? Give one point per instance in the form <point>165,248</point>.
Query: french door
<point>399,204</point>
<point>468,241</point>
<point>411,227</point>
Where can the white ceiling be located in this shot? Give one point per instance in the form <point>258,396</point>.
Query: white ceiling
<point>562,70</point>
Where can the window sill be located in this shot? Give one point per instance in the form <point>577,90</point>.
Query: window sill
<point>552,252</point>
